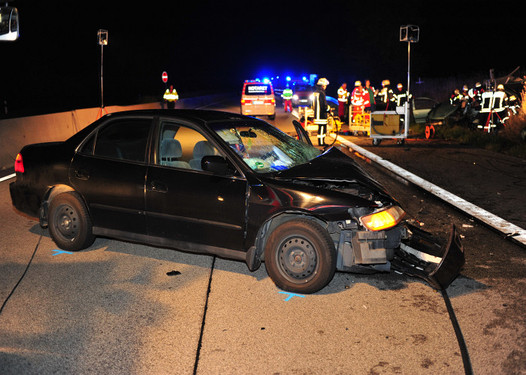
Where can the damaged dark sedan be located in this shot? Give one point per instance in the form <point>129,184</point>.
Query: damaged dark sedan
<point>224,184</point>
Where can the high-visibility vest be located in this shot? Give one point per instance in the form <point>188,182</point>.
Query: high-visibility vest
<point>343,95</point>
<point>287,94</point>
<point>170,96</point>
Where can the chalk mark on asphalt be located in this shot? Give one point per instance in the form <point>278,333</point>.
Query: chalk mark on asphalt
<point>290,295</point>
<point>57,252</point>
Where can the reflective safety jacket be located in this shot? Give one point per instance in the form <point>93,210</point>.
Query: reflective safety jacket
<point>320,107</point>
<point>171,96</point>
<point>386,95</point>
<point>287,94</point>
<point>401,98</point>
<point>343,95</point>
<point>360,98</point>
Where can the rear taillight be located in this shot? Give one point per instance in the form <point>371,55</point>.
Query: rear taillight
<point>19,164</point>
<point>246,101</point>
<point>270,101</point>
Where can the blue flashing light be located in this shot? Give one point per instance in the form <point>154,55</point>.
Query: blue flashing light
<point>305,79</point>
<point>266,80</point>
<point>288,78</point>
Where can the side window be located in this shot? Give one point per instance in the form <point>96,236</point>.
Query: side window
<point>182,147</point>
<point>124,139</point>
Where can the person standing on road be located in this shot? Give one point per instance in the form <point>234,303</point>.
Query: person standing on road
<point>320,109</point>
<point>343,97</point>
<point>287,98</point>
<point>372,102</point>
<point>386,95</point>
<point>170,97</point>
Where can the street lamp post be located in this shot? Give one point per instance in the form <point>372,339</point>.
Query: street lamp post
<point>102,36</point>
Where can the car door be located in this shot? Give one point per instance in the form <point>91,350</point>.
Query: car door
<point>109,172</point>
<point>302,135</point>
<point>191,208</point>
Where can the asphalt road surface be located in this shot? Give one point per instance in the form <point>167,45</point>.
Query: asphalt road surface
<point>123,308</point>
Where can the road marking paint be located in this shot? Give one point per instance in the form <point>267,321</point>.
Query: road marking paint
<point>57,252</point>
<point>511,230</point>
<point>290,295</point>
<point>5,178</point>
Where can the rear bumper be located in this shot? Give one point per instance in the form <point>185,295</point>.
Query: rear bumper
<point>430,258</point>
<point>24,200</point>
<point>258,109</point>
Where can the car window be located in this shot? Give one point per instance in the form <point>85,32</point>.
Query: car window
<point>258,89</point>
<point>124,139</point>
<point>264,148</point>
<point>182,147</point>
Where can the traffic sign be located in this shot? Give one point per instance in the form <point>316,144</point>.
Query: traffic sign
<point>165,77</point>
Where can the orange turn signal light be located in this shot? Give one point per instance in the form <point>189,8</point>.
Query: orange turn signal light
<point>384,219</point>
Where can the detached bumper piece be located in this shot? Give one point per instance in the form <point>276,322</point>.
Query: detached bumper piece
<point>430,258</point>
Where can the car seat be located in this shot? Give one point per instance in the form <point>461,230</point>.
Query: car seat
<point>201,149</point>
<point>171,151</point>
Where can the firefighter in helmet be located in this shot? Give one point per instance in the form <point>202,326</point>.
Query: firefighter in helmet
<point>386,95</point>
<point>455,98</point>
<point>320,108</point>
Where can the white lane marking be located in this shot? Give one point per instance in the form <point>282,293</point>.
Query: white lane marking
<point>5,178</point>
<point>515,232</point>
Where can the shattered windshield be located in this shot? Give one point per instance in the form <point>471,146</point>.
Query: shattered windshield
<point>265,148</point>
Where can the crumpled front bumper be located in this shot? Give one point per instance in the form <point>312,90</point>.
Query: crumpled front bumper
<point>428,257</point>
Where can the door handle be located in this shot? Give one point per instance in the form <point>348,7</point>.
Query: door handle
<point>82,174</point>
<point>158,186</point>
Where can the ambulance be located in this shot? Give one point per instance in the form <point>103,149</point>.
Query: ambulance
<point>257,99</point>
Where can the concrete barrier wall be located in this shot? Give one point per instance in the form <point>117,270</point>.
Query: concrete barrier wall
<point>18,132</point>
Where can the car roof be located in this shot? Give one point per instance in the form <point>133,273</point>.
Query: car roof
<point>204,115</point>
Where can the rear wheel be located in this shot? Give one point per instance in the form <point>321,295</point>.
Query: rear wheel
<point>300,256</point>
<point>69,223</point>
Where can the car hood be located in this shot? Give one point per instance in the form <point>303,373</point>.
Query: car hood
<point>336,175</point>
<point>441,111</point>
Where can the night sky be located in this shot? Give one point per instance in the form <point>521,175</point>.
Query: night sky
<point>214,45</point>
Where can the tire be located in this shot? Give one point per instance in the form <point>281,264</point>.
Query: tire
<point>69,223</point>
<point>272,117</point>
<point>376,142</point>
<point>300,256</point>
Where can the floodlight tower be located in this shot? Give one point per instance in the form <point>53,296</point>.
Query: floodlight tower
<point>409,34</point>
<point>102,36</point>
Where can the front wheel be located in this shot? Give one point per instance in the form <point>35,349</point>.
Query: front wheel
<point>300,256</point>
<point>69,223</point>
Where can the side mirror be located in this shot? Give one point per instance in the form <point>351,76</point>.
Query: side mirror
<point>8,24</point>
<point>216,164</point>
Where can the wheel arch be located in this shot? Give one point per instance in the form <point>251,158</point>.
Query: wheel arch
<point>272,223</point>
<point>51,193</point>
